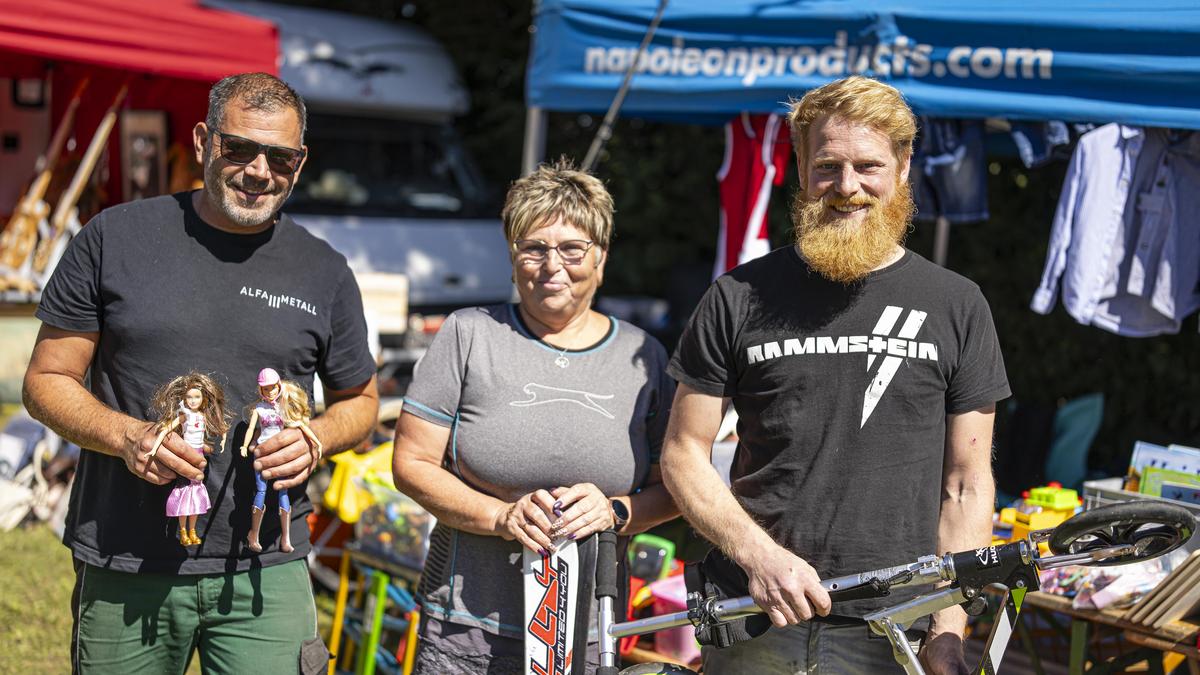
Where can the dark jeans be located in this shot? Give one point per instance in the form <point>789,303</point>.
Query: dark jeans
<point>810,648</point>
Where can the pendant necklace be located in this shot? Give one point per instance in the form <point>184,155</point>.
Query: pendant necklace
<point>561,360</point>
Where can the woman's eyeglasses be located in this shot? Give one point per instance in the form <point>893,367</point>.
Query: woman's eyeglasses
<point>280,158</point>
<point>535,250</point>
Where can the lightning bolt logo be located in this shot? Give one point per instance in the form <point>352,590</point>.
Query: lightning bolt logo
<point>889,364</point>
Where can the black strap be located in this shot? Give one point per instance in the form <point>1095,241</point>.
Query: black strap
<point>718,577</point>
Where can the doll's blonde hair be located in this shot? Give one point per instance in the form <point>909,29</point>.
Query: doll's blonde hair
<point>168,397</point>
<point>295,408</point>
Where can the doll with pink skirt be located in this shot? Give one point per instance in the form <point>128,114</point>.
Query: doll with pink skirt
<point>193,405</point>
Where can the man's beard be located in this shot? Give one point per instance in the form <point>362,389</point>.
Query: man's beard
<point>847,253</point>
<point>221,194</point>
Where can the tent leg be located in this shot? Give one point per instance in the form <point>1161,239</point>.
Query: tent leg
<point>941,241</point>
<point>535,139</point>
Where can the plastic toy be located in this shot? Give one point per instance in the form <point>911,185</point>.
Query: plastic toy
<point>1042,508</point>
<point>194,404</point>
<point>282,404</point>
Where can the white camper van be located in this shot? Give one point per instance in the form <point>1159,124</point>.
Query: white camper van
<point>387,181</point>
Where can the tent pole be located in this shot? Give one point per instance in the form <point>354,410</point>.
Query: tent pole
<point>534,149</point>
<point>941,241</point>
<point>605,130</point>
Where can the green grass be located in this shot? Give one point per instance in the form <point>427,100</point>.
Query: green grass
<point>35,605</point>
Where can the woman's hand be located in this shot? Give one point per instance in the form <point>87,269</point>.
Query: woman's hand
<point>528,521</point>
<point>581,510</point>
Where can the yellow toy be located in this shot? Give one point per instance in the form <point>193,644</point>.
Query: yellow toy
<point>1043,508</point>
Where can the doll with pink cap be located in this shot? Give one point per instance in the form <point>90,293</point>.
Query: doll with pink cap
<point>282,404</point>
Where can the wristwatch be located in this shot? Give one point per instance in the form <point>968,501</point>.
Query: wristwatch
<point>620,514</point>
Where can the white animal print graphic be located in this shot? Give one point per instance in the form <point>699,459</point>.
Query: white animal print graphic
<point>540,394</point>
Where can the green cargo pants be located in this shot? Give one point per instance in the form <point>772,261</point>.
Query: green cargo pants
<point>258,621</point>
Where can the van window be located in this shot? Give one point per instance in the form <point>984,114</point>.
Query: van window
<point>392,168</point>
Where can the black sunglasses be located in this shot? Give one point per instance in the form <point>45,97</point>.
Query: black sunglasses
<point>238,150</point>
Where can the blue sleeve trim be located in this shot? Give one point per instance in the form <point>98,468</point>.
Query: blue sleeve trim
<point>454,446</point>
<point>427,410</point>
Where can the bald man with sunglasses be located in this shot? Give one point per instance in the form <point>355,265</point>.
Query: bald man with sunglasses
<point>218,281</point>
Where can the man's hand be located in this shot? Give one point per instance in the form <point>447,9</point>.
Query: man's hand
<point>942,654</point>
<point>286,458</point>
<point>784,585</point>
<point>172,459</point>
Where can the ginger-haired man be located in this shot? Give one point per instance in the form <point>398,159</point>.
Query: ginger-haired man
<point>865,379</point>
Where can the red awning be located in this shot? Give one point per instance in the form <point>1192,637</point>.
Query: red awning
<point>173,38</point>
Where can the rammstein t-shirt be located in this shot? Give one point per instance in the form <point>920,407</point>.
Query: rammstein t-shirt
<point>842,394</point>
<point>167,294</point>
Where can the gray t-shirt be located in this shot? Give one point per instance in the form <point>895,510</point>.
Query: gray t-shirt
<point>525,415</point>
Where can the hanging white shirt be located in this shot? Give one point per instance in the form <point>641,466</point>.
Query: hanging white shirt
<point>1129,267</point>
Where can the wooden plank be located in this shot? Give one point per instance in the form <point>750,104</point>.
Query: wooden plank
<point>1187,649</point>
<point>1143,610</point>
<point>1189,576</point>
<point>1176,630</point>
<point>1183,603</point>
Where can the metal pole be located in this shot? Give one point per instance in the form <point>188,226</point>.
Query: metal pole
<point>941,241</point>
<point>606,592</point>
<point>535,139</point>
<point>605,130</point>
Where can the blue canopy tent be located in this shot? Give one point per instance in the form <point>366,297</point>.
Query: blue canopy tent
<point>1136,62</point>
<point>1075,60</point>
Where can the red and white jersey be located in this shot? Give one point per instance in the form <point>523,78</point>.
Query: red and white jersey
<point>756,154</point>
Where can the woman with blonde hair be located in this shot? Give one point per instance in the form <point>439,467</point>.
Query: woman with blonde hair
<point>528,424</point>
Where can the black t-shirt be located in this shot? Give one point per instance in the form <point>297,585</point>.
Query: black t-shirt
<point>842,394</point>
<point>169,294</point>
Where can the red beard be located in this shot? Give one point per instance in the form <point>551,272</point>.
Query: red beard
<point>847,253</point>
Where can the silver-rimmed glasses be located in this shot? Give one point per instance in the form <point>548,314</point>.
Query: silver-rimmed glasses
<point>571,252</point>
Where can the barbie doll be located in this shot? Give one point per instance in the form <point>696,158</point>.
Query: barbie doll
<point>282,404</point>
<point>194,405</point>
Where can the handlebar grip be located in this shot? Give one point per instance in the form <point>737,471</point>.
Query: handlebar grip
<point>875,588</point>
<point>606,565</point>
